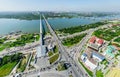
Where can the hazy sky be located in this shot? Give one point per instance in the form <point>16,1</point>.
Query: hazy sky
<point>60,5</point>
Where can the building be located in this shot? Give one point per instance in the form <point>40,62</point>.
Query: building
<point>95,43</point>
<point>91,64</point>
<point>109,53</point>
<point>50,47</point>
<point>84,57</point>
<point>98,56</point>
<point>92,40</point>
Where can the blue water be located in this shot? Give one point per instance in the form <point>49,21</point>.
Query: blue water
<point>32,26</point>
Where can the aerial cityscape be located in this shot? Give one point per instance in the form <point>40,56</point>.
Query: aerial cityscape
<point>66,38</point>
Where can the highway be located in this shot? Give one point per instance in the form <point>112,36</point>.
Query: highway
<point>76,69</point>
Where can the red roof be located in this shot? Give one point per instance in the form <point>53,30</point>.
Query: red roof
<point>93,39</point>
<point>100,41</point>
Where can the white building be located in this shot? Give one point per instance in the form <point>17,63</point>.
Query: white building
<point>91,65</point>
<point>87,62</point>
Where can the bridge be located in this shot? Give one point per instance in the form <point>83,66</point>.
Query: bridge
<point>41,50</point>
<point>76,69</point>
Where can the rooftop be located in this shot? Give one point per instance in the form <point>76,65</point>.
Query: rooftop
<point>110,50</point>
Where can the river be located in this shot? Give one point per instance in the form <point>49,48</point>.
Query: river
<point>32,26</point>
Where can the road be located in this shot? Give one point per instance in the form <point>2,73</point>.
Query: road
<point>47,74</point>
<point>86,31</point>
<point>78,72</point>
<point>75,34</point>
<point>20,50</point>
<point>83,42</point>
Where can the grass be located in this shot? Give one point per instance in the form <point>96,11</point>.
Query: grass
<point>88,71</point>
<point>81,28</point>
<point>50,53</point>
<point>117,40</point>
<point>6,69</point>
<point>55,50</point>
<point>70,76</point>
<point>21,41</point>
<point>2,48</point>
<point>22,65</point>
<point>53,58</point>
<point>74,40</point>
<point>99,73</point>
<point>108,33</point>
<point>61,67</point>
<point>104,62</point>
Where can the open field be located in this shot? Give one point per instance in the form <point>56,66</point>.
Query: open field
<point>81,28</point>
<point>21,41</point>
<point>22,65</point>
<point>108,33</point>
<point>74,40</point>
<point>99,73</point>
<point>6,69</point>
<point>115,72</point>
<point>54,58</point>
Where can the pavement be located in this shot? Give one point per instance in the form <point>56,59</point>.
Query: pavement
<point>48,74</point>
<point>78,72</point>
<point>42,62</point>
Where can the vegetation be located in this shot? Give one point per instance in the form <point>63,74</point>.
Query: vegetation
<point>11,58</point>
<point>108,33</point>
<point>2,40</point>
<point>70,76</point>
<point>61,66</point>
<point>53,58</point>
<point>74,40</point>
<point>8,62</point>
<point>25,38</point>
<point>117,40</point>
<point>99,73</point>
<point>55,50</point>
<point>22,65</point>
<point>21,41</point>
<point>116,44</point>
<point>104,62</point>
<point>7,68</point>
<point>35,15</point>
<point>81,28</point>
<point>50,53</point>
<point>88,71</point>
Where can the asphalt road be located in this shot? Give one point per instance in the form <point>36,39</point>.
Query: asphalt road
<point>78,72</point>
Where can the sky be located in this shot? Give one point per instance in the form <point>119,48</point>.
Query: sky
<point>60,5</point>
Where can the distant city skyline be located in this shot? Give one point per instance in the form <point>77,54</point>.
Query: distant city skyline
<point>60,5</point>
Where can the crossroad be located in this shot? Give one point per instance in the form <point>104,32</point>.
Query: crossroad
<point>78,72</point>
